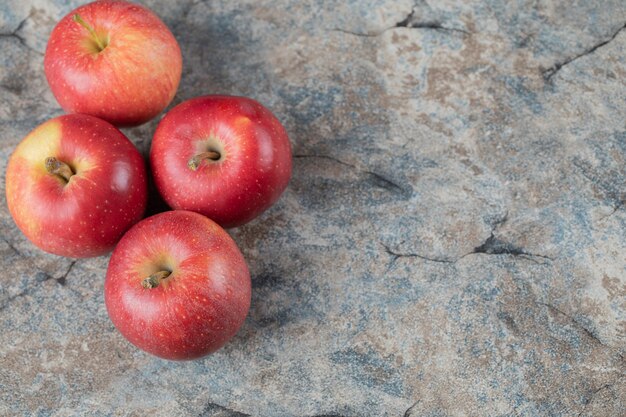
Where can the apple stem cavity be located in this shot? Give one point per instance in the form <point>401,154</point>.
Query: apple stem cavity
<point>155,279</point>
<point>99,42</point>
<point>195,162</point>
<point>56,167</point>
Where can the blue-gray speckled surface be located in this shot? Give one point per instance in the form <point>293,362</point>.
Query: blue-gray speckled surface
<point>452,242</point>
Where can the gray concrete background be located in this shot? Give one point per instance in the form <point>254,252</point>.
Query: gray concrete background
<point>452,242</point>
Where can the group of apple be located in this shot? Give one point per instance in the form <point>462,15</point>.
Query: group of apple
<point>177,286</point>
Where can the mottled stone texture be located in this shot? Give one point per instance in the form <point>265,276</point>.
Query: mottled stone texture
<point>453,241</point>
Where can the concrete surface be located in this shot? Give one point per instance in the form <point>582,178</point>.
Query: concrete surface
<point>452,242</point>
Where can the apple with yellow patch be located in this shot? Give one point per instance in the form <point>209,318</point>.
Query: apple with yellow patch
<point>74,185</point>
<point>115,60</point>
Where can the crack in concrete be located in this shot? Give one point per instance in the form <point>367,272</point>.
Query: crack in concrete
<point>15,35</point>
<point>13,248</point>
<point>45,275</point>
<point>491,246</point>
<point>550,72</point>
<point>495,246</point>
<point>509,322</point>
<point>616,208</point>
<point>607,188</point>
<point>211,408</point>
<point>377,179</point>
<point>386,183</point>
<point>396,255</point>
<point>409,22</point>
<point>8,300</point>
<point>409,411</point>
<point>576,324</point>
<point>589,400</point>
<point>61,280</point>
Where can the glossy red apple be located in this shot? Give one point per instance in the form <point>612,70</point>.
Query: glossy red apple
<point>225,157</point>
<point>115,60</point>
<point>177,286</point>
<point>74,185</point>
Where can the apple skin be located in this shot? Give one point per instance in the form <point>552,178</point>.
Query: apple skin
<point>87,215</point>
<point>127,83</point>
<point>254,166</point>
<point>196,309</point>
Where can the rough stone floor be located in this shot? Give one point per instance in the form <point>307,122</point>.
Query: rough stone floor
<point>452,243</point>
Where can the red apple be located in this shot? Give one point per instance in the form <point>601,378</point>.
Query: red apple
<point>177,286</point>
<point>115,60</point>
<point>225,157</point>
<point>74,185</point>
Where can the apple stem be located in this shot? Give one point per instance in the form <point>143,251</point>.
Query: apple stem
<point>91,31</point>
<point>195,162</point>
<point>155,279</point>
<point>56,167</point>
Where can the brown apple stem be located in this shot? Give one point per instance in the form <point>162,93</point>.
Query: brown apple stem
<point>56,167</point>
<point>155,279</point>
<point>91,31</point>
<point>195,162</point>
